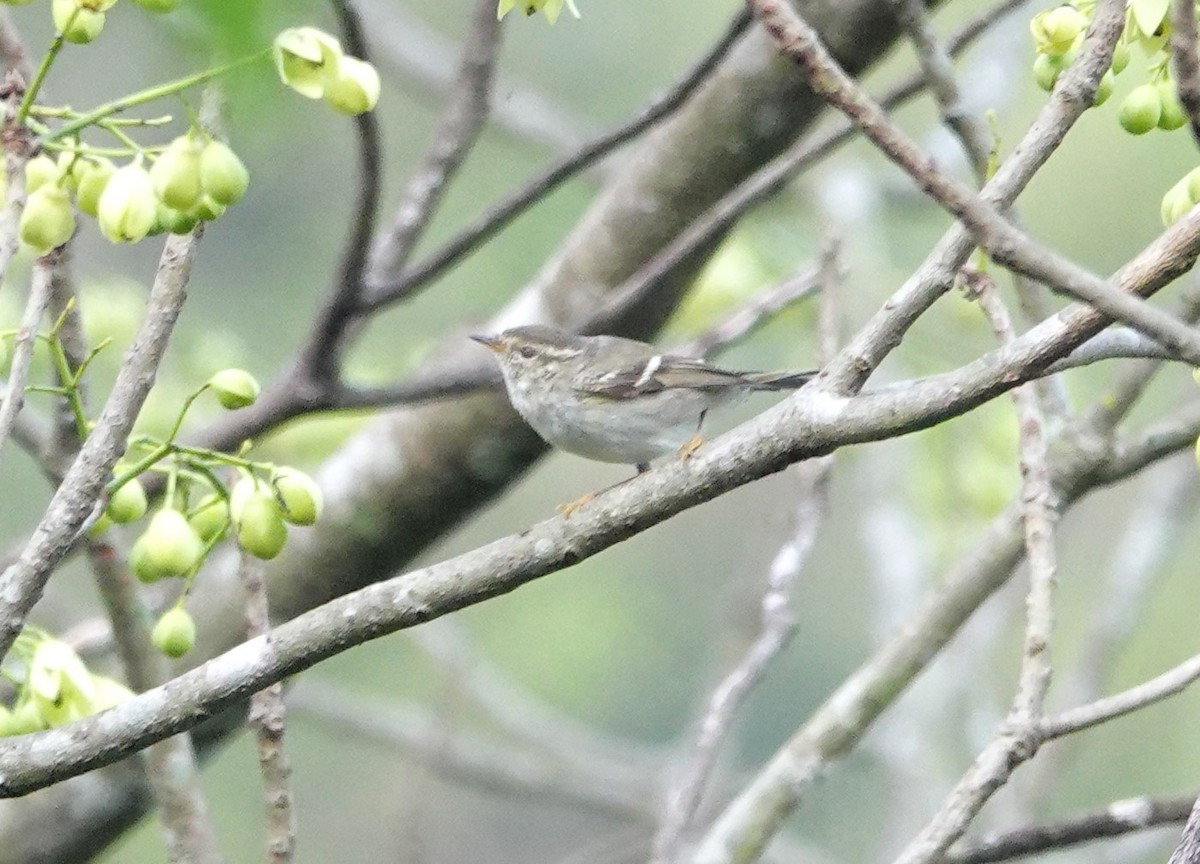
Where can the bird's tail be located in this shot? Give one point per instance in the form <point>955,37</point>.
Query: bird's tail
<point>779,380</point>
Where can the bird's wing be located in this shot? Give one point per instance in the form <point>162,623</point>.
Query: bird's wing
<point>659,372</point>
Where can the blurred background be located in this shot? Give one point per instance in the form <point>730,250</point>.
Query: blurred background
<point>614,658</point>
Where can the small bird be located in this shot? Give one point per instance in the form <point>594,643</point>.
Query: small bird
<point>613,399</point>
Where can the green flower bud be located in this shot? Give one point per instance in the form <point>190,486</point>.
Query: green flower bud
<point>260,528</point>
<point>8,723</point>
<point>75,21</point>
<point>1104,88</point>
<point>1176,203</point>
<point>175,632</point>
<point>550,8</point>
<point>59,684</point>
<point>1140,110</point>
<point>306,59</point>
<point>298,495</point>
<point>355,89</point>
<point>128,206</point>
<point>176,221</point>
<point>222,174</point>
<point>1173,113</point>
<point>1054,30</point>
<point>1192,181</point>
<point>176,173</point>
<point>207,209</point>
<point>92,175</point>
<point>101,525</point>
<point>1047,68</point>
<point>169,547</point>
<point>39,171</point>
<point>16,2</point>
<point>128,503</point>
<point>26,718</point>
<point>47,221</point>
<point>1120,58</point>
<point>210,518</point>
<point>235,388</point>
<point>109,693</point>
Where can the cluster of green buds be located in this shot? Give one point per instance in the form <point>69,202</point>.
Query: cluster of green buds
<point>1154,104</point>
<point>192,179</point>
<point>1058,33</point>
<point>53,686</point>
<point>200,509</point>
<point>550,8</point>
<point>312,63</point>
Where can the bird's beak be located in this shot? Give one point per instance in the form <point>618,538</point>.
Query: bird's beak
<point>493,342</point>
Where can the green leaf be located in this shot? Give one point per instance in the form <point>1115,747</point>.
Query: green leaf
<point>1149,14</point>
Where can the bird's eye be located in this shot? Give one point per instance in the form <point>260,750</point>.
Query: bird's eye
<point>527,352</point>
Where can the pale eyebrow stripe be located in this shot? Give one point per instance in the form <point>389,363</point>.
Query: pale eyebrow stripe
<point>651,367</point>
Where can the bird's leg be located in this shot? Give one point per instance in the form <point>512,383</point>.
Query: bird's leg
<point>693,444</point>
<point>567,509</point>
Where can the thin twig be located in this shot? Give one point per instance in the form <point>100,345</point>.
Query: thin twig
<point>64,309</point>
<point>939,72</point>
<point>268,719</point>
<point>457,131</point>
<point>494,220</point>
<point>1115,820</point>
<point>1133,379</point>
<point>1167,684</point>
<point>23,343</point>
<point>747,318</point>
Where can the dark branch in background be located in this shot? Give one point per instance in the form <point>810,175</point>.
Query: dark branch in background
<point>1115,820</point>
<point>1186,65</point>
<point>454,138</point>
<point>64,308</point>
<point>393,287</point>
<point>21,583</point>
<point>320,361</point>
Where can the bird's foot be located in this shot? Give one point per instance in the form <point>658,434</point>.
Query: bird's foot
<point>690,446</point>
<point>567,509</point>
